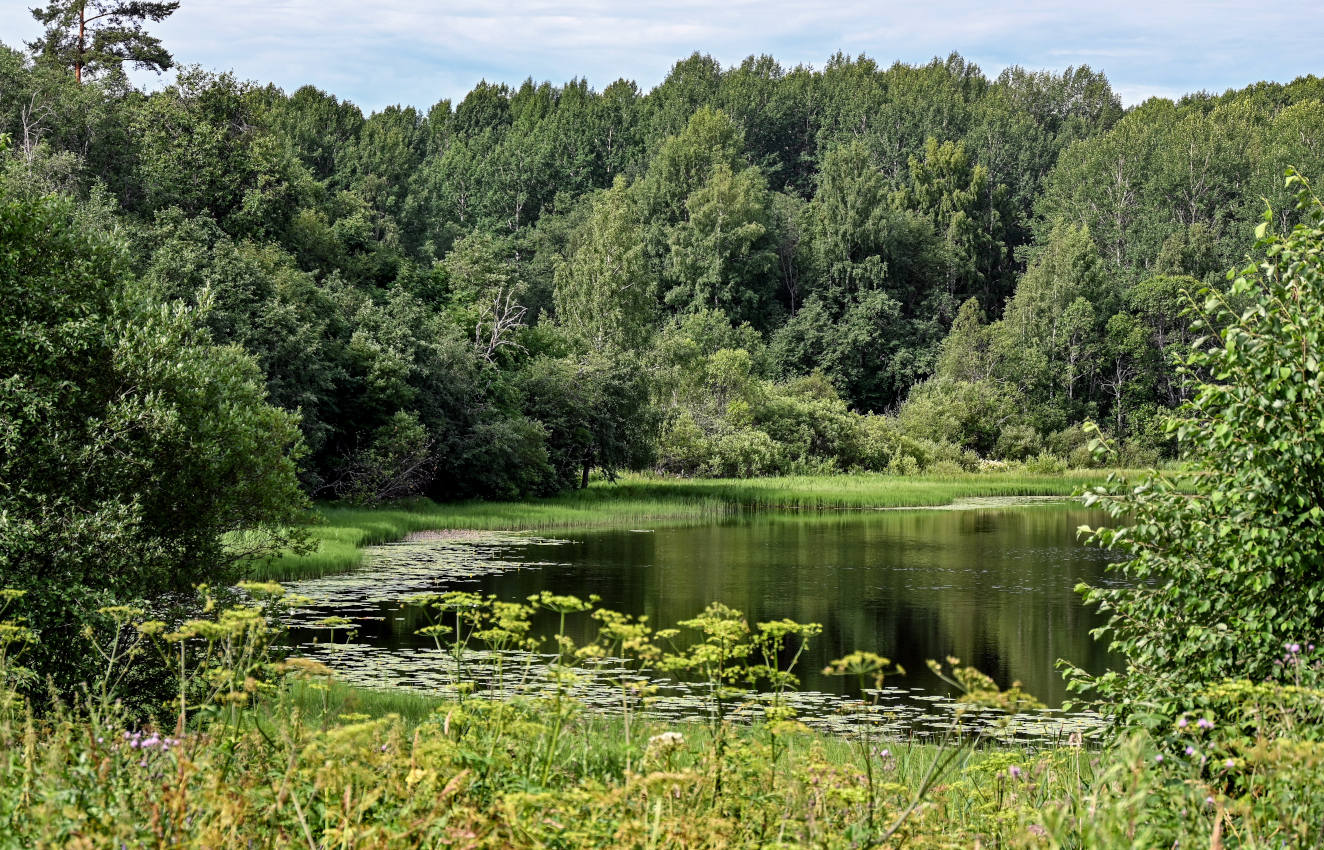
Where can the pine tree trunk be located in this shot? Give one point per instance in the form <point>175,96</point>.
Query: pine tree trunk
<point>82,30</point>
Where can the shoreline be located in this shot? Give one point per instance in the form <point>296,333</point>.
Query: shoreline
<point>637,501</point>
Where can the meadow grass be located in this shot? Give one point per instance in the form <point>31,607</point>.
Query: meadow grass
<point>600,737</point>
<point>341,532</point>
<point>295,773</point>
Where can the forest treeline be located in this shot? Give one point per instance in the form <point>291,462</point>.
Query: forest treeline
<point>745,270</point>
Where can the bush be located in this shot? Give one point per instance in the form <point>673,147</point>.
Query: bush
<point>505,458</point>
<point>683,448</point>
<point>971,415</point>
<point>1045,463</point>
<point>1225,557</point>
<point>136,457</point>
<point>745,453</point>
<point>1018,442</point>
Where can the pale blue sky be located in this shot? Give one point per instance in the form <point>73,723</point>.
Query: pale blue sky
<point>380,52</point>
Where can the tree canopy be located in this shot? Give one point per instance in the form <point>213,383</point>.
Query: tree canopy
<point>417,283</point>
<point>94,35</point>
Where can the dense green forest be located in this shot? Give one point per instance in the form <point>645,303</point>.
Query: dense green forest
<point>744,271</point>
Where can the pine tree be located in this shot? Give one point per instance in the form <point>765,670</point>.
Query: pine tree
<point>93,34</point>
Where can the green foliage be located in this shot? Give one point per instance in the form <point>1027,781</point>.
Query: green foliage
<point>276,752</point>
<point>976,414</point>
<point>92,35</point>
<point>418,262</point>
<point>132,447</point>
<point>604,291</point>
<point>1223,571</point>
<point>596,414</point>
<point>1239,767</point>
<point>721,254</point>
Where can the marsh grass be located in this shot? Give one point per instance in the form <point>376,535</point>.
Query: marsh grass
<point>335,703</point>
<point>342,532</point>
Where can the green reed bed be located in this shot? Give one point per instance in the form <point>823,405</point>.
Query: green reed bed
<point>342,532</point>
<point>845,492</point>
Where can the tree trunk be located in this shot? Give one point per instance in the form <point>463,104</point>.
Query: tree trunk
<point>82,30</point>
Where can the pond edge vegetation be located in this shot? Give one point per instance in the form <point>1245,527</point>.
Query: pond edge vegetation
<point>340,532</point>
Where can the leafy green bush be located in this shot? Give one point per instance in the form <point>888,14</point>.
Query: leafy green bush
<point>969,414</point>
<point>135,456</point>
<point>1018,442</point>
<point>1225,556</point>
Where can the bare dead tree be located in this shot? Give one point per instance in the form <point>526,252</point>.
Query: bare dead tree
<point>497,324</point>
<point>33,116</point>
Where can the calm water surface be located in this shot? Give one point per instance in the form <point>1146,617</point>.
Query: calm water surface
<point>993,586</point>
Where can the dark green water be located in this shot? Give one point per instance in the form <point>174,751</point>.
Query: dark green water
<point>991,586</point>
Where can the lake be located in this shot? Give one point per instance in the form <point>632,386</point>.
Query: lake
<point>989,583</point>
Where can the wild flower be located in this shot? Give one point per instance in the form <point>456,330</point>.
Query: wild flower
<point>664,746</point>
<point>667,740</point>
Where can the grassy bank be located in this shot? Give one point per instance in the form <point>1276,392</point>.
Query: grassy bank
<point>311,768</point>
<point>316,765</point>
<point>343,532</point>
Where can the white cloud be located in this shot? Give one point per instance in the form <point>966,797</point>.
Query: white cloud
<point>415,51</point>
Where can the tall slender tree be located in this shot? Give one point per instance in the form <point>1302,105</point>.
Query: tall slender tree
<point>92,34</point>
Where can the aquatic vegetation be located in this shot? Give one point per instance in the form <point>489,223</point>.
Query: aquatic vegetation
<point>343,532</point>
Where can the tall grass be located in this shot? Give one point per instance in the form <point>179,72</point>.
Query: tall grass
<point>861,491</point>
<point>341,532</point>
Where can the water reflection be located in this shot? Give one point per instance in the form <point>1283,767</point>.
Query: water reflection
<point>992,586</point>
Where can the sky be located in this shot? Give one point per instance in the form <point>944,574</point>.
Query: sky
<point>417,52</point>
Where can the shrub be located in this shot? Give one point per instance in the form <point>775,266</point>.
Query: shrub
<point>1225,557</point>
<point>1045,463</point>
<point>135,456</point>
<point>1018,442</point>
<point>745,453</point>
<point>969,414</point>
<point>683,448</point>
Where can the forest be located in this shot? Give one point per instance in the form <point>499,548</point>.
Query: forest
<point>744,271</point>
